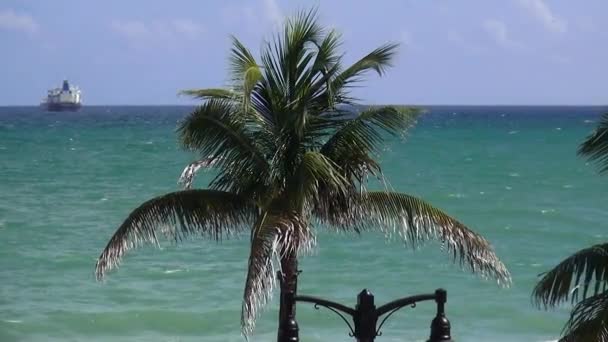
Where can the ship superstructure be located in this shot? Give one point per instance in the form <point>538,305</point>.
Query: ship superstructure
<point>65,98</point>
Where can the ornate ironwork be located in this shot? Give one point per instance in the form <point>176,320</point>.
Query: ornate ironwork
<point>378,332</point>
<point>365,315</point>
<point>352,331</point>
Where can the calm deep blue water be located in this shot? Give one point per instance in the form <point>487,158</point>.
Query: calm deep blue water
<point>67,180</point>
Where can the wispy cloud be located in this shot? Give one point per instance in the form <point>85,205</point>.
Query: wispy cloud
<point>273,11</point>
<point>130,29</point>
<point>541,11</point>
<point>499,33</point>
<point>463,45</point>
<point>253,16</point>
<point>406,38</point>
<point>142,32</point>
<point>187,28</point>
<point>10,20</point>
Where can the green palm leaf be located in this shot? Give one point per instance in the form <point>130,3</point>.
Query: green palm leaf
<point>286,65</point>
<point>378,60</point>
<point>218,133</point>
<point>587,267</point>
<point>211,93</point>
<point>595,146</point>
<point>317,175</point>
<point>340,81</point>
<point>353,145</point>
<point>416,221</point>
<point>245,71</point>
<point>327,64</point>
<point>209,213</point>
<point>215,129</point>
<point>588,321</point>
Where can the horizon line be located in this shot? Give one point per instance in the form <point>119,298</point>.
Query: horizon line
<point>364,104</point>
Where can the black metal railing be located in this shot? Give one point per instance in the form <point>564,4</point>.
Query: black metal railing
<point>365,316</point>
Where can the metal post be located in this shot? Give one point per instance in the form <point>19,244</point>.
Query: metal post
<point>288,326</point>
<point>440,326</point>
<point>365,317</point>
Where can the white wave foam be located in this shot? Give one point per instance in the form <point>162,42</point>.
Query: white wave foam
<point>16,321</point>
<point>172,271</point>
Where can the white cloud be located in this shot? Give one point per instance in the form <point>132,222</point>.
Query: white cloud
<point>9,20</point>
<point>406,38</point>
<point>131,29</point>
<point>139,32</point>
<point>541,11</point>
<point>499,33</point>
<point>586,24</point>
<point>273,12</point>
<point>454,37</point>
<point>188,28</point>
<point>464,46</point>
<point>258,16</point>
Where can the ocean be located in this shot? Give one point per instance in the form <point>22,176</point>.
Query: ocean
<point>67,180</point>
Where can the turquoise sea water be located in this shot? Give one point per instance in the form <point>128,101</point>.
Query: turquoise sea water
<point>67,180</point>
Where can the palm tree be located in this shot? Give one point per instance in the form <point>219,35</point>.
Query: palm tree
<point>290,156</point>
<point>585,271</point>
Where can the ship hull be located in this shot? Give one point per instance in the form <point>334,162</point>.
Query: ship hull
<point>61,107</point>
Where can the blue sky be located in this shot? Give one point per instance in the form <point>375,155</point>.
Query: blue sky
<point>452,51</point>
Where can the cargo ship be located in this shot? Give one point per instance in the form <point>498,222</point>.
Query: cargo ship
<point>66,98</point>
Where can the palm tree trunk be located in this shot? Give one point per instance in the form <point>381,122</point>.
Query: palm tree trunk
<point>288,327</point>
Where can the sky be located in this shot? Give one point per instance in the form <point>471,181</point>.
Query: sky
<point>141,52</point>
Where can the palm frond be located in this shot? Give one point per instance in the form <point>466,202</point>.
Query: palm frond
<point>595,146</point>
<point>378,60</point>
<point>274,235</point>
<point>587,267</point>
<point>217,133</point>
<point>364,132</point>
<point>327,57</point>
<point>209,213</point>
<point>316,173</point>
<point>353,145</point>
<point>211,93</point>
<point>287,61</point>
<point>245,71</point>
<point>213,129</point>
<point>187,176</point>
<point>588,321</point>
<point>416,221</point>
